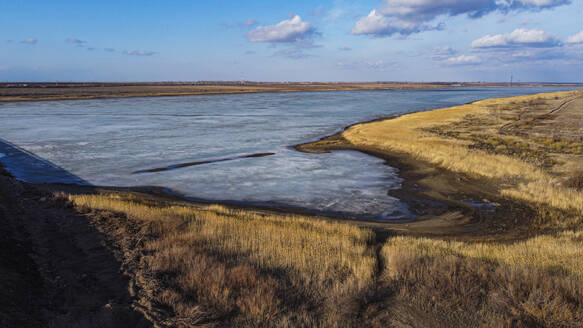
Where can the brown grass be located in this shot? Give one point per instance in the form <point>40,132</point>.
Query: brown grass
<point>575,181</point>
<point>535,283</point>
<point>216,266</point>
<point>221,265</point>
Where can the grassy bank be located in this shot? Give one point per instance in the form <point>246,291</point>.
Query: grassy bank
<point>220,266</point>
<point>520,149</point>
<point>414,134</point>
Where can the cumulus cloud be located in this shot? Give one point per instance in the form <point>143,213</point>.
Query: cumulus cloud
<point>519,37</point>
<point>287,31</point>
<point>406,17</point>
<point>464,60</point>
<point>30,41</point>
<point>378,24</point>
<point>577,38</point>
<point>76,41</point>
<point>139,53</point>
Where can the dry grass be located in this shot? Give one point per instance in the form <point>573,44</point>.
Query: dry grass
<point>575,181</point>
<point>533,283</point>
<point>217,266</point>
<point>522,180</point>
<point>225,265</point>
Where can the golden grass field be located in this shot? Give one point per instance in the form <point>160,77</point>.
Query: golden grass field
<point>223,265</point>
<point>219,266</point>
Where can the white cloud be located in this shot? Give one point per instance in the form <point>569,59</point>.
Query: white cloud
<point>289,30</point>
<point>377,24</point>
<point>577,38</point>
<point>464,60</point>
<point>537,3</point>
<point>518,37</point>
<point>374,23</point>
<point>412,16</point>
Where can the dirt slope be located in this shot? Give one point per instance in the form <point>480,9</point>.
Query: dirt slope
<point>55,270</point>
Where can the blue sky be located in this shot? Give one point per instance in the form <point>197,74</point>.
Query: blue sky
<point>370,40</point>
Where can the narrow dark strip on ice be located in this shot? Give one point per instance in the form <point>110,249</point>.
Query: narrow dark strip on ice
<point>181,165</point>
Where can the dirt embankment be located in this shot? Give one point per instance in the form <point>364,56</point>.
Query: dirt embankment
<point>55,268</point>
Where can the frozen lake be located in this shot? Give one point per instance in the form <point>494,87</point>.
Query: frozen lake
<point>106,141</point>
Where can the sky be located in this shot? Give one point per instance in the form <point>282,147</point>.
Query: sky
<point>328,40</point>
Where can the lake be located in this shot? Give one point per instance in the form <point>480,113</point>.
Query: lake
<point>154,142</point>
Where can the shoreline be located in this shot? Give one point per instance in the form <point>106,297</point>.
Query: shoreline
<point>428,186</point>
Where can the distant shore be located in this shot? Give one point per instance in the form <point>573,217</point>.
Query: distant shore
<point>41,91</point>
